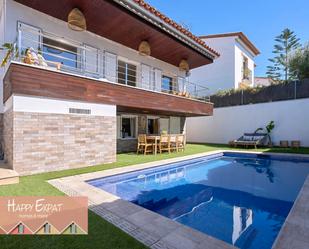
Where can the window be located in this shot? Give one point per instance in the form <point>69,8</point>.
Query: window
<point>167,83</point>
<point>128,127</point>
<point>245,69</point>
<point>153,126</point>
<point>21,228</point>
<point>60,52</point>
<point>73,229</point>
<point>47,228</point>
<point>126,73</point>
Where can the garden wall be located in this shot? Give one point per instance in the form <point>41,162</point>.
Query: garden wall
<point>287,91</point>
<point>228,123</point>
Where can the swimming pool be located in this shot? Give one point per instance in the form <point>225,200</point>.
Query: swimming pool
<point>239,198</point>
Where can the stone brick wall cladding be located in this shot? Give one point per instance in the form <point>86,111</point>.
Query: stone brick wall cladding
<point>50,142</point>
<point>8,137</point>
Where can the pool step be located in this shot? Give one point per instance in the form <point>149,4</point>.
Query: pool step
<point>7,176</point>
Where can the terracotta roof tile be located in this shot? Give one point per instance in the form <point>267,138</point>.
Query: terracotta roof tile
<point>167,20</point>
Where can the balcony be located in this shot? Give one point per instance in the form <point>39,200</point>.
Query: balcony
<point>50,66</point>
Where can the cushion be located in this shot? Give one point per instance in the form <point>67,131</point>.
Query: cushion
<point>258,137</point>
<point>35,59</point>
<point>247,138</point>
<point>42,61</point>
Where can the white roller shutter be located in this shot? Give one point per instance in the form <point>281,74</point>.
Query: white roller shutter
<point>181,84</point>
<point>157,79</point>
<point>91,60</point>
<point>146,82</point>
<point>110,66</point>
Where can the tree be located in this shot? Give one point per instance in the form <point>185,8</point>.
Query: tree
<point>286,43</point>
<point>299,63</point>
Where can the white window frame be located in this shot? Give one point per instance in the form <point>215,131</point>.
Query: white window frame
<point>128,61</point>
<point>79,54</point>
<point>120,125</point>
<point>174,78</point>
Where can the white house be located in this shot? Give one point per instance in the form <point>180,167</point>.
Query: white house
<point>90,83</point>
<point>235,66</point>
<point>263,81</point>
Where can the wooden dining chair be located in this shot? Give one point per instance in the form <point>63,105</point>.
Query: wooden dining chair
<point>164,144</point>
<point>180,142</point>
<point>173,142</point>
<point>143,145</point>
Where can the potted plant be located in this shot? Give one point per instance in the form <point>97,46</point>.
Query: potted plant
<point>269,128</point>
<point>11,51</point>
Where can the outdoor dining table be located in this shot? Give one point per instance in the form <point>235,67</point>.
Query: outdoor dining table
<point>156,139</point>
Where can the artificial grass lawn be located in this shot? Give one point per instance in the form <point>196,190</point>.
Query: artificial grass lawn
<point>102,235</point>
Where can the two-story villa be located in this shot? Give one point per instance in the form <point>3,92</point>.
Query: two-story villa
<point>235,67</point>
<point>86,77</point>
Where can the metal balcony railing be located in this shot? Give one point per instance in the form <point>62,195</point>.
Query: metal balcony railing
<point>53,52</point>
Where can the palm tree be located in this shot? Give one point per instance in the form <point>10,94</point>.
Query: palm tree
<point>11,49</point>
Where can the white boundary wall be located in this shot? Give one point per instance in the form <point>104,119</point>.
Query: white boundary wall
<point>228,123</point>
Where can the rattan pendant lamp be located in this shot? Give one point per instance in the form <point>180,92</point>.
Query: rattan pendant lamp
<point>76,20</point>
<point>184,66</point>
<point>144,48</point>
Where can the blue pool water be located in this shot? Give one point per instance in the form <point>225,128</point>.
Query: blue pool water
<point>240,198</point>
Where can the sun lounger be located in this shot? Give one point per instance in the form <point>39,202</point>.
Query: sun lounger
<point>251,139</point>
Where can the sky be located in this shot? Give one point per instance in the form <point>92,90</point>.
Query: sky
<point>260,20</point>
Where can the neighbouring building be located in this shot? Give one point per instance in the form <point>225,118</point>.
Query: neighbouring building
<point>263,81</point>
<point>89,76</point>
<point>235,66</point>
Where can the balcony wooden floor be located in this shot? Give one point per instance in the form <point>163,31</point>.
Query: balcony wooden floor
<point>33,81</point>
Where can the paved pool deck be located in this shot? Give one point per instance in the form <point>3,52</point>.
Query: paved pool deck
<point>158,232</point>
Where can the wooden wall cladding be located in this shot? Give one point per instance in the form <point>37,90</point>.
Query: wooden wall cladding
<point>32,81</point>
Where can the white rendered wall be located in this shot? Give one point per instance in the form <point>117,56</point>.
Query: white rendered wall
<point>219,75</point>
<point>56,106</point>
<point>240,51</point>
<point>17,12</point>
<point>226,71</point>
<point>228,123</point>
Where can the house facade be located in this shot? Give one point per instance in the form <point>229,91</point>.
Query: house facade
<point>263,81</point>
<point>81,85</point>
<point>233,69</point>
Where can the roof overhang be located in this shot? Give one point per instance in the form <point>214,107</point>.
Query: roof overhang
<point>240,35</point>
<point>127,22</point>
